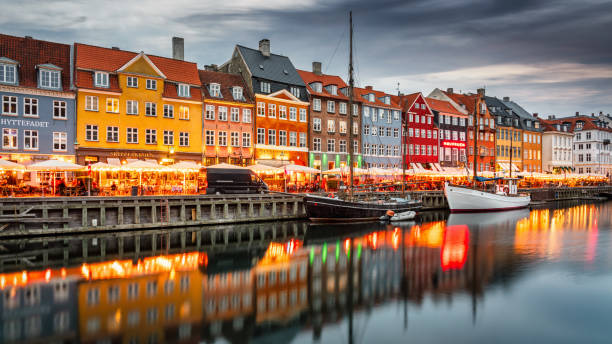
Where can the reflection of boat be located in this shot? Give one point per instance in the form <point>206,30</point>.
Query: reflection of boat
<point>462,199</point>
<point>325,209</point>
<point>487,218</point>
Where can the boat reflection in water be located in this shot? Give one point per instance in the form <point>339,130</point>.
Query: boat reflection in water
<point>323,287</point>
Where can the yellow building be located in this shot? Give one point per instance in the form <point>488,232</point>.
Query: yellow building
<point>508,140</point>
<point>136,106</point>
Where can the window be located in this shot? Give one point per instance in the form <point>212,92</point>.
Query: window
<point>132,107</point>
<point>272,110</point>
<point>222,138</point>
<point>261,136</point>
<point>101,79</point>
<point>317,87</point>
<point>342,127</point>
<point>30,139</point>
<point>261,109</point>
<point>112,134</point>
<point>395,132</point>
<point>168,111</point>
<point>112,105</point>
<point>295,91</point>
<point>91,103</point>
<point>355,128</point>
<point>151,136</point>
<point>235,139</point>
<point>316,144</point>
<point>132,135</point>
<point>331,126</point>
<point>271,137</point>
<point>151,84</point>
<point>342,109</point>
<point>59,109</point>
<point>316,124</point>
<point>215,90</point>
<point>210,112</point>
<point>342,144</point>
<point>184,139</point>
<point>132,81</point>
<point>237,93</point>
<point>355,109</point>
<point>91,132</point>
<point>302,115</point>
<point>184,91</point>
<point>331,145</point>
<point>388,132</point>
<point>282,112</point>
<point>93,296</point>
<point>381,131</point>
<point>331,106</point>
<point>222,113</point>
<point>396,115</point>
<point>235,114</point>
<point>184,112</point>
<point>316,104</point>
<point>246,139</point>
<point>374,131</point>
<point>293,139</point>
<point>264,87</point>
<point>60,141</point>
<point>150,109</point>
<point>282,137</point>
<point>210,137</point>
<point>168,138</point>
<point>303,140</point>
<point>30,107</point>
<point>7,73</point>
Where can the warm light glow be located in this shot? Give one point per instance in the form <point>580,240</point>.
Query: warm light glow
<point>455,247</point>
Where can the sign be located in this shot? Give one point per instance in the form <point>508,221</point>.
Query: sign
<point>127,154</point>
<point>24,123</point>
<point>453,144</point>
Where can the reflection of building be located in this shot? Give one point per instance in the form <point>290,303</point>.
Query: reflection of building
<point>37,307</point>
<point>158,299</point>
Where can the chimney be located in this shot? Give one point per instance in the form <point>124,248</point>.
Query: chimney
<point>115,48</point>
<point>481,92</point>
<point>577,113</point>
<point>264,47</point>
<point>449,90</point>
<point>316,68</point>
<point>211,67</point>
<point>368,87</point>
<point>178,48</point>
<point>535,115</point>
<point>506,99</point>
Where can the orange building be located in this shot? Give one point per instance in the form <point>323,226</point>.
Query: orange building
<point>281,126</point>
<point>228,111</point>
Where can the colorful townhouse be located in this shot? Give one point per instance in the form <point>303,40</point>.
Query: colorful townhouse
<point>477,111</point>
<point>422,138</point>
<point>329,121</point>
<point>452,126</point>
<point>380,129</point>
<point>281,119</point>
<point>136,106</point>
<point>508,137</point>
<point>532,137</point>
<point>227,119</point>
<point>38,102</point>
<point>557,143</point>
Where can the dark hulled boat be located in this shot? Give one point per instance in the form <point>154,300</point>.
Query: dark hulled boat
<point>326,209</point>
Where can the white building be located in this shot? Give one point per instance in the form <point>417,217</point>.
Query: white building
<point>557,146</point>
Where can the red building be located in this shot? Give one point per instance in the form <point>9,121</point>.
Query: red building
<point>452,124</point>
<point>421,140</point>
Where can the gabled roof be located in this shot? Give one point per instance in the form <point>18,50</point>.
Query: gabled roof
<point>29,53</point>
<point>469,100</point>
<point>274,67</point>
<point>142,55</point>
<point>361,92</point>
<point>548,125</point>
<point>227,81</point>
<point>90,57</point>
<point>442,106</point>
<point>519,110</point>
<point>325,80</point>
<point>497,107</point>
<point>589,123</point>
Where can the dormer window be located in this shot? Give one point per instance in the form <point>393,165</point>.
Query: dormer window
<point>215,90</point>
<point>101,79</point>
<point>8,72</point>
<point>49,78</point>
<point>295,91</point>
<point>579,125</point>
<point>387,100</point>
<point>237,92</point>
<point>371,97</point>
<point>317,87</point>
<point>183,91</point>
<point>333,89</point>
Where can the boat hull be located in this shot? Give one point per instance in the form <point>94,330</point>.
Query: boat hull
<point>463,200</point>
<point>324,209</point>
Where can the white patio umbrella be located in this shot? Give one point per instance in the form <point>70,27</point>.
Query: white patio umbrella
<point>299,168</point>
<point>143,166</point>
<point>55,165</point>
<point>258,168</point>
<point>185,166</point>
<point>10,166</point>
<point>224,165</point>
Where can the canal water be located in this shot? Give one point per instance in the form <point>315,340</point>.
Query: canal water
<point>539,276</point>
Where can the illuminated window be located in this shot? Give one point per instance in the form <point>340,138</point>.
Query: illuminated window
<point>112,105</point>
<point>184,112</point>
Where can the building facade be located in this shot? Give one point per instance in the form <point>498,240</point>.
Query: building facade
<point>532,137</point>
<point>227,124</point>
<point>136,106</point>
<point>557,143</point>
<point>329,127</point>
<point>452,126</point>
<point>38,102</point>
<point>281,120</point>
<point>508,136</point>
<point>422,138</point>
<point>380,129</point>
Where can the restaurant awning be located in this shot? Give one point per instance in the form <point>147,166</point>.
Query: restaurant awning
<point>10,166</point>
<point>54,165</point>
<point>299,168</point>
<point>224,165</point>
<point>261,168</point>
<point>185,166</point>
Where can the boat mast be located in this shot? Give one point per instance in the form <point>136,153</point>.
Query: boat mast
<point>511,147</point>
<point>351,85</point>
<point>402,148</point>
<point>475,140</point>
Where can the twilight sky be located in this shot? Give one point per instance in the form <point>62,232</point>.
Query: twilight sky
<point>551,56</point>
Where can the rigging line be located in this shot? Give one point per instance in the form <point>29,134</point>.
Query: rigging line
<point>335,50</point>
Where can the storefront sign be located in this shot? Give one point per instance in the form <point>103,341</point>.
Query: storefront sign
<point>24,123</point>
<point>125,154</point>
<point>453,144</point>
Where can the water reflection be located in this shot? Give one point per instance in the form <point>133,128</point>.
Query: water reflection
<point>292,288</point>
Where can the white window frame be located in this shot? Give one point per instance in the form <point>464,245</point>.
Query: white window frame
<point>184,90</point>
<point>303,115</point>
<point>91,103</point>
<point>132,82</point>
<point>261,136</point>
<point>215,90</point>
<point>316,124</point>
<point>91,131</point>
<point>151,84</point>
<point>168,137</point>
<point>168,111</point>
<point>282,112</point>
<point>235,114</point>
<point>247,116</point>
<point>261,109</point>
<point>60,109</point>
<point>264,87</point>
<point>237,93</point>
<point>331,106</point>
<point>131,107</point>
<point>222,112</point>
<point>50,79</point>
<point>101,79</point>
<point>4,69</point>
<point>183,113</point>
<point>60,138</point>
<point>184,139</point>
<point>246,139</point>
<point>33,104</point>
<point>222,138</point>
<point>151,109</point>
<point>316,104</point>
<point>210,138</point>
<point>151,136</point>
<point>112,134</point>
<point>235,139</point>
<point>32,135</point>
<point>114,105</point>
<point>131,135</point>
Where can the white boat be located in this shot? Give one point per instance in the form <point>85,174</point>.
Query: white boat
<point>405,216</point>
<point>463,199</point>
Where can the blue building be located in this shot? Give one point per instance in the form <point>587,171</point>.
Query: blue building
<point>380,129</point>
<point>37,117</point>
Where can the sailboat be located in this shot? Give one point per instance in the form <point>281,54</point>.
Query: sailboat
<point>505,196</point>
<point>327,209</point>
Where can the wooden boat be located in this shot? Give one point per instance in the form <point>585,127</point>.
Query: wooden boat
<point>326,209</point>
<point>463,199</point>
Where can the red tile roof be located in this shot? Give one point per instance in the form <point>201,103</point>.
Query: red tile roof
<point>171,91</point>
<point>468,100</point>
<point>442,106</point>
<point>32,52</point>
<point>226,80</point>
<point>325,80</point>
<point>361,92</point>
<point>406,101</point>
<point>589,123</point>
<point>84,79</point>
<point>110,60</point>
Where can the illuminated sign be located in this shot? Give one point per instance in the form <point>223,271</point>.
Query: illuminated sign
<point>453,144</point>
